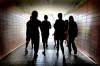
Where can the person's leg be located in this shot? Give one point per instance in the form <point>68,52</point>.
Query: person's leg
<point>32,43</point>
<point>27,42</point>
<point>61,45</point>
<point>36,47</point>
<point>46,40</point>
<point>55,43</point>
<point>74,46</point>
<point>46,43</point>
<point>57,47</point>
<point>69,44</point>
<point>43,40</point>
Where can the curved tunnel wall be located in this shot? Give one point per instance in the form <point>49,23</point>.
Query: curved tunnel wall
<point>88,20</point>
<point>11,30</point>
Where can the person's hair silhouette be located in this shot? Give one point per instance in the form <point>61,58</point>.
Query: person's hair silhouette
<point>60,15</point>
<point>71,19</point>
<point>34,14</point>
<point>45,17</point>
<point>73,32</point>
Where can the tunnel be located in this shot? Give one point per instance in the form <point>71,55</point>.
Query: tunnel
<point>14,14</point>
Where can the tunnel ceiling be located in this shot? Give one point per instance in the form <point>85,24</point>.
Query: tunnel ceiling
<point>39,1</point>
<point>24,4</point>
<point>69,2</point>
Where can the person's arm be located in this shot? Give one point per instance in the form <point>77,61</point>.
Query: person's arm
<point>26,28</point>
<point>76,29</point>
<point>49,25</point>
<point>40,24</point>
<point>55,25</point>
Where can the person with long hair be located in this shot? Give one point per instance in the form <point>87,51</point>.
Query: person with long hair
<point>73,32</point>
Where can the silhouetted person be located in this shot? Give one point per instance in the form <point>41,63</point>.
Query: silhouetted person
<point>35,32</point>
<point>28,34</point>
<point>45,26</point>
<point>66,31</point>
<point>73,32</point>
<point>55,40</point>
<point>59,30</point>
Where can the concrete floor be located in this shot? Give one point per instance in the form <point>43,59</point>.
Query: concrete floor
<point>18,58</point>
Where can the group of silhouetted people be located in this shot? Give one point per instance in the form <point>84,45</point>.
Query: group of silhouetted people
<point>64,30</point>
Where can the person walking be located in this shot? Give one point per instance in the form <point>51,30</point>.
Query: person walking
<point>59,30</point>
<point>73,32</point>
<point>45,26</point>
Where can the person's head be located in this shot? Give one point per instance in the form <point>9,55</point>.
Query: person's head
<point>34,14</point>
<point>71,18</point>
<point>45,17</point>
<point>66,20</point>
<point>60,15</point>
